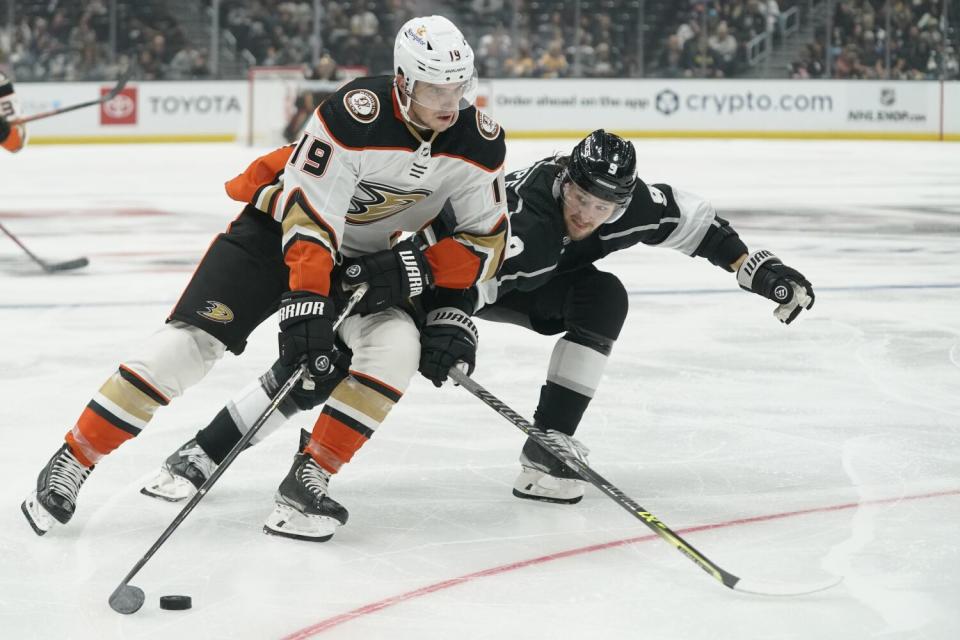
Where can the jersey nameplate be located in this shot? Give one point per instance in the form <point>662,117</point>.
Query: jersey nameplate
<point>362,105</point>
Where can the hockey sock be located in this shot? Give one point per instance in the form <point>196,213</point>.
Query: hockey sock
<point>118,412</point>
<point>350,417</point>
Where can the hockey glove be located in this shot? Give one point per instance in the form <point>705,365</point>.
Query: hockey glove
<point>394,276</point>
<point>764,274</point>
<point>306,331</point>
<point>4,129</point>
<point>448,338</point>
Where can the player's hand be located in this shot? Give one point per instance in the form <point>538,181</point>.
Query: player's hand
<point>764,274</point>
<point>448,338</point>
<point>394,275</point>
<point>4,129</point>
<point>306,331</point>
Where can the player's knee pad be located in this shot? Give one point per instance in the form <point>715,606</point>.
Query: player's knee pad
<point>596,308</point>
<point>385,346</point>
<point>176,357</point>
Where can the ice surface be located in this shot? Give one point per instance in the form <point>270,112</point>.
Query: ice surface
<point>828,447</point>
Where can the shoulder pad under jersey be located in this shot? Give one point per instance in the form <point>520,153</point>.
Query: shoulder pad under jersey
<point>476,138</point>
<point>360,115</point>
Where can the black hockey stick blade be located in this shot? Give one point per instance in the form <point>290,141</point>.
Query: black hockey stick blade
<point>107,97</point>
<point>127,599</point>
<point>66,265</point>
<point>757,587</point>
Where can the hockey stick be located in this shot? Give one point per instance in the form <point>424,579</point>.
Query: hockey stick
<point>127,598</point>
<point>548,440</point>
<point>121,83</point>
<point>49,267</point>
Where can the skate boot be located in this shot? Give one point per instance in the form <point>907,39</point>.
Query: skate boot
<point>543,477</point>
<point>182,474</point>
<point>303,509</point>
<point>57,487</point>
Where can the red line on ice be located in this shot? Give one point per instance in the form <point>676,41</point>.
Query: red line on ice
<point>373,607</point>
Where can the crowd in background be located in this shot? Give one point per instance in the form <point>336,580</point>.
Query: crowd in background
<point>70,40</point>
<point>918,48</point>
<point>709,39</point>
<point>73,39</point>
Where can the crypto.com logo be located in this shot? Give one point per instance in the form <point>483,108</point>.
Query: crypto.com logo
<point>668,102</point>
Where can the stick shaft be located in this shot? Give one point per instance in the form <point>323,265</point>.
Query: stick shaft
<point>288,386</point>
<point>121,83</point>
<point>651,521</point>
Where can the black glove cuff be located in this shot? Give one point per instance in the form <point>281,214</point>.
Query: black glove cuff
<point>300,306</point>
<point>453,317</point>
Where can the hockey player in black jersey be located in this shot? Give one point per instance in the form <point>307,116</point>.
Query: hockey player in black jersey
<point>565,214</point>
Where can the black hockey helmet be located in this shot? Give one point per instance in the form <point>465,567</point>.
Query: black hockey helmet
<point>604,165</point>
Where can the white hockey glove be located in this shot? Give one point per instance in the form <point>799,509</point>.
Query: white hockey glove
<point>764,274</point>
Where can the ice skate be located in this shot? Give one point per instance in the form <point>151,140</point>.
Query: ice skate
<point>55,498</point>
<point>182,474</point>
<point>303,509</point>
<point>543,477</point>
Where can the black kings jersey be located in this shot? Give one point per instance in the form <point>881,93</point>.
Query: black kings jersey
<point>539,248</point>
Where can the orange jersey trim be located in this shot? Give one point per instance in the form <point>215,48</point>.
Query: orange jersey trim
<point>310,265</point>
<point>454,265</point>
<point>14,141</point>
<point>261,172</point>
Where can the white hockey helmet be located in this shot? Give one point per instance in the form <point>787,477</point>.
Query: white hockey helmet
<point>432,50</point>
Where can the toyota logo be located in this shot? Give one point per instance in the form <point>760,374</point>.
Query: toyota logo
<point>668,102</point>
<point>121,106</point>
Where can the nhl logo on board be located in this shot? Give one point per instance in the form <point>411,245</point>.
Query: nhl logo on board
<point>363,105</point>
<point>353,270</point>
<point>487,126</point>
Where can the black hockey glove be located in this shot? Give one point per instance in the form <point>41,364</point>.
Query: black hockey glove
<point>764,274</point>
<point>306,331</point>
<point>4,129</point>
<point>394,276</point>
<point>449,337</point>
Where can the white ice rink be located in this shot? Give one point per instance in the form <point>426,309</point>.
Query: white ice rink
<point>830,447</point>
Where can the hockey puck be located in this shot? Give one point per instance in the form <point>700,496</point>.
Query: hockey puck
<point>175,603</point>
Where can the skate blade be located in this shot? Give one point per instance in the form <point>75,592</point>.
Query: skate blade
<point>169,488</point>
<point>37,518</point>
<point>287,522</point>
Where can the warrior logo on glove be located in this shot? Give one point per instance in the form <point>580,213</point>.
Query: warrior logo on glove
<point>763,273</point>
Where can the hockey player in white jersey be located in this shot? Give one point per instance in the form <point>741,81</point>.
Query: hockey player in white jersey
<point>377,159</point>
<point>566,213</point>
<point>12,137</point>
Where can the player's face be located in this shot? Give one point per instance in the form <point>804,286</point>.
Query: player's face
<point>583,212</point>
<point>436,105</point>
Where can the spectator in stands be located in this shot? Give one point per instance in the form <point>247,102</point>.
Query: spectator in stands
<point>724,48</point>
<point>326,68</point>
<point>522,65</point>
<point>698,60</point>
<point>604,65</point>
<point>553,63</point>
<point>671,58</point>
<point>492,52</point>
